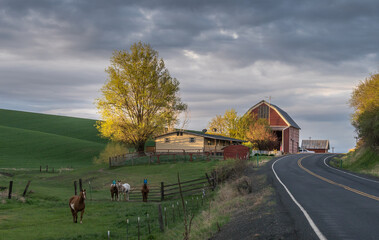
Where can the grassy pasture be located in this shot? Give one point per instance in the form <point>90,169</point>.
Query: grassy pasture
<point>28,140</point>
<point>45,214</point>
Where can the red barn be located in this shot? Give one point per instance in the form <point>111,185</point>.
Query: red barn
<point>285,128</point>
<point>236,151</point>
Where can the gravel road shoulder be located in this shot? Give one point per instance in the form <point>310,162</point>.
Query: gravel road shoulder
<point>264,216</point>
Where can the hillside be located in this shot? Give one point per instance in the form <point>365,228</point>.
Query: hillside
<point>362,160</point>
<point>28,140</point>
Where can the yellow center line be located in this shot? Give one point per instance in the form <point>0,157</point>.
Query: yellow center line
<point>334,183</point>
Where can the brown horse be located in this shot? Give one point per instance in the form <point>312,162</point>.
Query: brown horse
<point>145,191</point>
<point>114,192</point>
<point>76,204</point>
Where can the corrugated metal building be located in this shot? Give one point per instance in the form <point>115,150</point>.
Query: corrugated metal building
<point>318,146</point>
<point>285,128</point>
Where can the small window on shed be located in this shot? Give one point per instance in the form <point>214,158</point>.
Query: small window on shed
<point>192,140</point>
<point>167,140</point>
<point>181,133</point>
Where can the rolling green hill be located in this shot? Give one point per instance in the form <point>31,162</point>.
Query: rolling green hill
<point>28,140</point>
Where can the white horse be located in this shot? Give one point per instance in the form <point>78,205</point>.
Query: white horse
<point>123,189</point>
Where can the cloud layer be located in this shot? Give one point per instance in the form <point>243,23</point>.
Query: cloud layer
<point>306,55</point>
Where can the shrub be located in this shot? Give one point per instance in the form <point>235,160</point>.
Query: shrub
<point>243,185</point>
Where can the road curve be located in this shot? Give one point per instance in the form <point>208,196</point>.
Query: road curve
<point>326,203</point>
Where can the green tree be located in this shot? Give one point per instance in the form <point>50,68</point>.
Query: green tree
<point>139,98</point>
<point>230,125</point>
<point>365,101</point>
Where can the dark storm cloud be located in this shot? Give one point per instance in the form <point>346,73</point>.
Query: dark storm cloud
<point>307,55</point>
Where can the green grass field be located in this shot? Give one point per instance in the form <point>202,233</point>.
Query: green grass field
<point>45,214</point>
<point>28,140</point>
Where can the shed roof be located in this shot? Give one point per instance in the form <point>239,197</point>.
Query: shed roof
<point>281,112</point>
<point>315,144</point>
<point>205,135</point>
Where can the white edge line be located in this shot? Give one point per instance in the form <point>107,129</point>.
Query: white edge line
<point>347,172</point>
<point>309,219</point>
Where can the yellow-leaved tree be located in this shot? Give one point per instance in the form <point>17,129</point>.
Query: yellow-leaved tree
<point>365,101</point>
<point>139,98</point>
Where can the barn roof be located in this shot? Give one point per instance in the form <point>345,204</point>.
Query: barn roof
<point>315,144</point>
<point>281,112</point>
<point>205,135</point>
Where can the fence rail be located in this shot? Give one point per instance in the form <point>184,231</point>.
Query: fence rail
<point>171,191</point>
<point>160,157</point>
<point>194,186</point>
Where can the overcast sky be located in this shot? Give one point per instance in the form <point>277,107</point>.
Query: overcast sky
<point>306,55</point>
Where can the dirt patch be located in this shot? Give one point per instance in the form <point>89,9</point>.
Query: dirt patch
<point>263,216</point>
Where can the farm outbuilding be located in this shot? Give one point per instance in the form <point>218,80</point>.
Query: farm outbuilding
<point>285,128</point>
<point>317,146</point>
<point>193,141</point>
<point>236,152</point>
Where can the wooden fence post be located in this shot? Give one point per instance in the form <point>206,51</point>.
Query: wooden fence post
<point>26,188</point>
<point>158,161</point>
<point>40,168</point>
<point>10,190</point>
<point>75,186</point>
<point>162,191</point>
<point>160,218</point>
<point>80,184</point>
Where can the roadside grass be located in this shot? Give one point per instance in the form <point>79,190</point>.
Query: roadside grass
<point>362,160</point>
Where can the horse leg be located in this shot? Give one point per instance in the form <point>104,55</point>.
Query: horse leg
<point>127,196</point>
<point>75,217</point>
<point>81,216</point>
<point>73,214</point>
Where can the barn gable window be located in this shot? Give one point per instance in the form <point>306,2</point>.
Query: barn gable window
<point>192,140</point>
<point>263,111</point>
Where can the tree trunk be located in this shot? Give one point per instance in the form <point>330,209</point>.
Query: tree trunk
<point>140,147</point>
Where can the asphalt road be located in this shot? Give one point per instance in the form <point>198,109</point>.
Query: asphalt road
<point>326,203</point>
